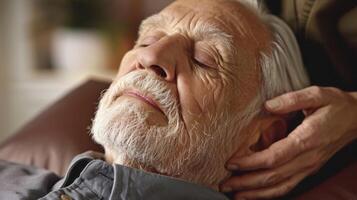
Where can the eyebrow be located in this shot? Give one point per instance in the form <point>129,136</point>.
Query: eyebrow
<point>202,31</point>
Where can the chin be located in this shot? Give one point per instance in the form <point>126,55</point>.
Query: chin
<point>126,129</point>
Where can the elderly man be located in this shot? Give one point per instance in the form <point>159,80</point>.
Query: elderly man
<point>190,93</point>
<point>187,98</point>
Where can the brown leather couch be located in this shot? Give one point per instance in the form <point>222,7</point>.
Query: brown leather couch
<point>60,132</point>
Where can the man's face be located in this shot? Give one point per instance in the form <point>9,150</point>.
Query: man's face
<point>175,105</point>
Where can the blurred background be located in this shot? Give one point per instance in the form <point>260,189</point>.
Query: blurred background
<point>49,47</point>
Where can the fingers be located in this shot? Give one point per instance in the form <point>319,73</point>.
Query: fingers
<point>269,177</point>
<point>278,153</point>
<point>273,191</point>
<point>265,178</point>
<point>311,97</point>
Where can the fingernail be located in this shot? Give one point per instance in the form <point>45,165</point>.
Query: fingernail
<point>232,167</point>
<point>226,189</point>
<point>273,104</point>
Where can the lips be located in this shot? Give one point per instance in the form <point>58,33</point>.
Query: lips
<point>144,98</point>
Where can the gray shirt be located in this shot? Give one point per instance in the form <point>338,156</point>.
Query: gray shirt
<point>91,178</point>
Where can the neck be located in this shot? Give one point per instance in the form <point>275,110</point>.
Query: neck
<point>123,160</point>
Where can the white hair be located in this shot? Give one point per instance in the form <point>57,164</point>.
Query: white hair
<point>281,65</point>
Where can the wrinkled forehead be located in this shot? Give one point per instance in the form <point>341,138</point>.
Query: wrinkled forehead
<point>230,16</point>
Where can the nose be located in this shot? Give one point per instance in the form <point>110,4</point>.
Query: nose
<point>160,57</point>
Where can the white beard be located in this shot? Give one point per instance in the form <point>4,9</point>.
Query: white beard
<point>197,155</point>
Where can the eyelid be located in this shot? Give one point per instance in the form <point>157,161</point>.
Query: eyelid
<point>205,58</point>
<point>202,55</point>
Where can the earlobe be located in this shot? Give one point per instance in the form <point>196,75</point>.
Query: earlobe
<point>272,130</point>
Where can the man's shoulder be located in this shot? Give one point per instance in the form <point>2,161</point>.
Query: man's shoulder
<point>18,181</point>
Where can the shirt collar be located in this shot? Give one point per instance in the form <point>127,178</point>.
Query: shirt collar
<point>130,183</point>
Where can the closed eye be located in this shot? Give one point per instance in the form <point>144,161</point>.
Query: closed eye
<point>205,54</point>
<point>199,63</point>
<point>143,45</point>
<point>203,59</point>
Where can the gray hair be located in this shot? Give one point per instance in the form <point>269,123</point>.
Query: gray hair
<point>281,66</point>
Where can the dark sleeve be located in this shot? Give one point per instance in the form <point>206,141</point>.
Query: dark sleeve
<point>24,182</point>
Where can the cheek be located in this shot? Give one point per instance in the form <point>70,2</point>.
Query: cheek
<point>200,99</point>
<point>210,92</point>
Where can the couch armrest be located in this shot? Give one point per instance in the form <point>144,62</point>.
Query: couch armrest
<point>60,132</point>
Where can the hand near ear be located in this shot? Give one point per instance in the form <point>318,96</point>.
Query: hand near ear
<point>330,123</point>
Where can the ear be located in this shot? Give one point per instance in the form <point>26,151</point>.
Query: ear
<point>271,130</point>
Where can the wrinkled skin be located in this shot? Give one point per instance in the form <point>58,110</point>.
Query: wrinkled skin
<point>330,124</point>
<point>206,75</point>
<point>201,69</point>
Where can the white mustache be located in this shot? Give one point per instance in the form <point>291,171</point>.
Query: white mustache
<point>149,85</point>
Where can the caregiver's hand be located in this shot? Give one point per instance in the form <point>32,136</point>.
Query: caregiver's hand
<point>330,124</point>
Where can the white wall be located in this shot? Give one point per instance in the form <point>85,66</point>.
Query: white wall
<point>16,60</point>
<point>24,91</point>
<point>4,118</point>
